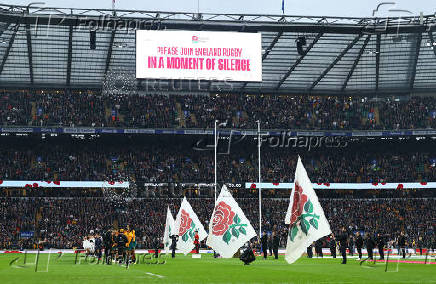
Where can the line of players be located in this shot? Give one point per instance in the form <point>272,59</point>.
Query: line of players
<point>344,241</point>
<point>118,245</point>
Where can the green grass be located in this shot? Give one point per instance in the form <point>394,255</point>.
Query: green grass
<point>209,270</point>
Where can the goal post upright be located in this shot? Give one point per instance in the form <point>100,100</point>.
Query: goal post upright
<point>259,143</point>
<point>215,149</point>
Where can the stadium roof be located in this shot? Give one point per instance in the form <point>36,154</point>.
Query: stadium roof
<point>50,47</point>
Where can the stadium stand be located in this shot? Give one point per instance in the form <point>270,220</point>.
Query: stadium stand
<point>169,158</point>
<point>200,111</point>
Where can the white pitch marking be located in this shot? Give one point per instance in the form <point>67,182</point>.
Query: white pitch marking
<point>152,274</point>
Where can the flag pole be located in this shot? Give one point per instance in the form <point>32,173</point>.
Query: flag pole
<point>260,180</point>
<point>215,158</point>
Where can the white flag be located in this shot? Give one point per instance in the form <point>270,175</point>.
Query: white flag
<point>169,230</point>
<point>306,219</point>
<point>229,229</point>
<point>187,223</point>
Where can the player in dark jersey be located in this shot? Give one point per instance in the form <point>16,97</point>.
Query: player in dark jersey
<point>121,241</point>
<point>98,242</point>
<point>108,242</point>
<point>381,243</point>
<point>342,238</point>
<point>359,244</point>
<point>370,244</point>
<point>402,244</point>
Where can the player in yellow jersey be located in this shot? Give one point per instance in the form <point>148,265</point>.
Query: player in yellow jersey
<point>131,244</point>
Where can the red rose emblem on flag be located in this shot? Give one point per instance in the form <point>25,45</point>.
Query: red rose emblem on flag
<point>253,186</point>
<point>57,182</point>
<point>400,186</point>
<point>275,183</point>
<point>222,218</point>
<point>185,223</point>
<point>298,203</point>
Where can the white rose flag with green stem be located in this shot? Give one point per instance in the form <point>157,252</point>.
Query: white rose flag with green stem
<point>229,229</point>
<point>169,230</point>
<point>186,224</point>
<point>306,219</point>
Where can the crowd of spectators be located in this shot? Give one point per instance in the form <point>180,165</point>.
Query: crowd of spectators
<point>63,222</point>
<point>200,111</point>
<point>15,108</point>
<point>417,110</point>
<point>155,159</point>
<point>71,110</point>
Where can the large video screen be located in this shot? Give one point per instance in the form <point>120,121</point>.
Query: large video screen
<point>200,55</point>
